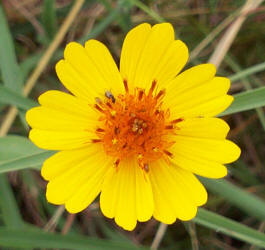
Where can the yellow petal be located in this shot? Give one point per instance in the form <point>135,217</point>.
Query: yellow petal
<point>88,72</point>
<point>199,166</point>
<point>60,140</point>
<point>66,103</point>
<point>176,192</point>
<point>183,101</point>
<point>152,54</point>
<point>105,64</point>
<point>203,127</point>
<point>51,119</point>
<point>64,160</point>
<point>88,173</point>
<point>131,52</point>
<point>190,78</point>
<point>222,151</point>
<point>126,195</point>
<point>210,108</point>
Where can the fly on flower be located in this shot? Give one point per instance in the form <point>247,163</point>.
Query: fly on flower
<point>141,144</point>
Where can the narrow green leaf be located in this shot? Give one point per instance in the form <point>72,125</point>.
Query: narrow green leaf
<point>35,239</point>
<point>11,74</point>
<point>49,18</point>
<point>8,206</point>
<point>100,27</point>
<point>30,161</point>
<point>147,10</point>
<point>249,71</point>
<point>17,152</point>
<point>236,196</point>
<point>13,147</point>
<point>229,227</point>
<point>247,100</point>
<point>9,97</point>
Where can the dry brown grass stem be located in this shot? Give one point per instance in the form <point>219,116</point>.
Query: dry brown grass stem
<point>159,236</point>
<point>50,226</point>
<point>11,114</point>
<point>227,39</point>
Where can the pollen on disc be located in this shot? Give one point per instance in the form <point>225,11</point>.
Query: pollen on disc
<point>135,124</point>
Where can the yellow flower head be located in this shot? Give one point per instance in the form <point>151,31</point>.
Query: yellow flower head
<point>136,135</point>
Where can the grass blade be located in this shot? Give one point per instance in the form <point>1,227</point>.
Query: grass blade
<point>9,97</point>
<point>31,161</point>
<point>49,18</point>
<point>11,74</point>
<point>249,71</point>
<point>37,239</point>
<point>17,152</point>
<point>229,227</point>
<point>237,197</point>
<point>8,206</point>
<point>247,100</point>
<point>13,147</point>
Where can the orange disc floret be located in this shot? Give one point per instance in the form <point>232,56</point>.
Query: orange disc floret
<point>135,125</point>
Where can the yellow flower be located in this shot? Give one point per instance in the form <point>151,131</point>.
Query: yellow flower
<point>138,135</point>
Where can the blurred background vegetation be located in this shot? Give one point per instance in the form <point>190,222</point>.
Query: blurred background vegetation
<point>33,33</point>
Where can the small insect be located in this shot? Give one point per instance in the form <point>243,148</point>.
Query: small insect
<point>109,95</point>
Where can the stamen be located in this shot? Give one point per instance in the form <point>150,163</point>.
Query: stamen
<point>109,105</point>
<point>98,108</point>
<point>161,93</point>
<point>140,95</point>
<point>125,83</point>
<point>96,140</point>
<point>116,130</point>
<point>168,153</point>
<point>100,130</point>
<point>169,127</point>
<point>152,88</point>
<point>117,162</point>
<point>177,120</point>
<point>146,168</point>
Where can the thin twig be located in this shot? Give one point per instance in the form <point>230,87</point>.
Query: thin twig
<point>193,235</point>
<point>159,236</point>
<point>226,41</point>
<point>69,222</point>
<point>12,112</point>
<point>54,220</point>
<point>196,51</point>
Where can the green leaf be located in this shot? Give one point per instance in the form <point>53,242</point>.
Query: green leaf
<point>35,239</point>
<point>8,206</point>
<point>237,197</point>
<point>247,100</point>
<point>30,161</point>
<point>18,152</point>
<point>249,71</point>
<point>49,18</point>
<point>229,227</point>
<point>100,27</point>
<point>9,97</point>
<point>11,74</point>
<point>13,147</point>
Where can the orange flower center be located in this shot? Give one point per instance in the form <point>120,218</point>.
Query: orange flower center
<point>135,125</point>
